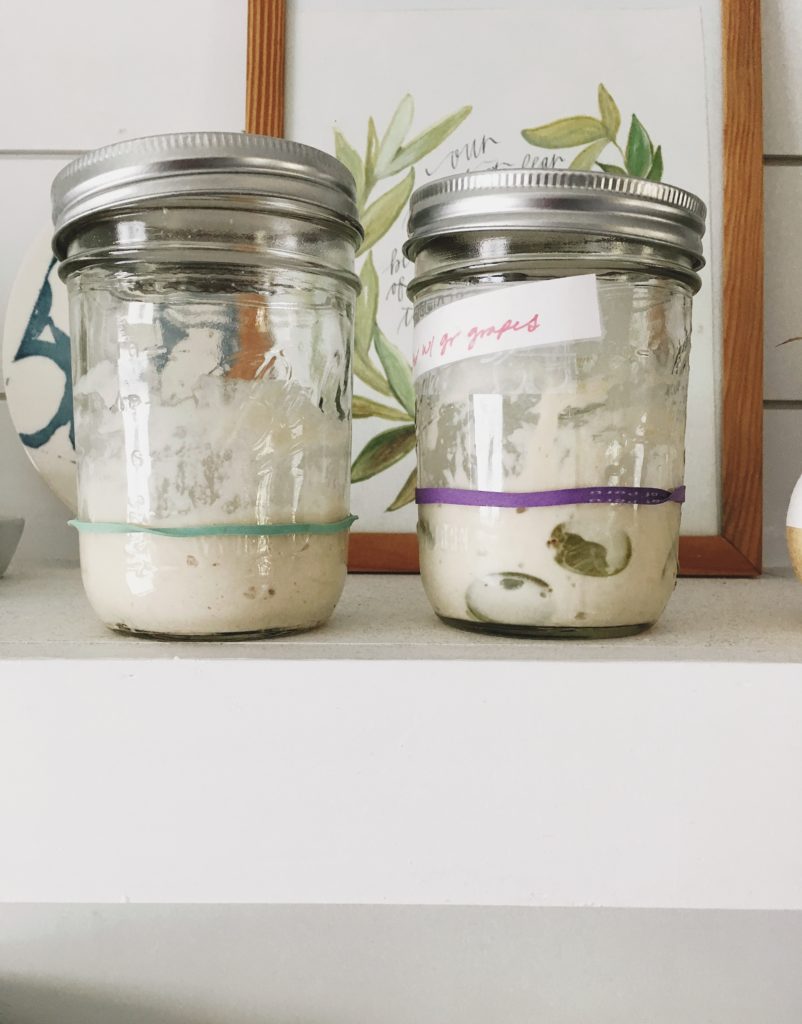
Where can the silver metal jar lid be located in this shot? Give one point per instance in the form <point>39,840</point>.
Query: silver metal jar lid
<point>234,168</point>
<point>576,202</point>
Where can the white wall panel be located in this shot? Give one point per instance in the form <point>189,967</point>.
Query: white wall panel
<point>89,72</point>
<point>782,468</point>
<point>782,76</point>
<point>25,188</point>
<point>23,492</point>
<point>783,278</point>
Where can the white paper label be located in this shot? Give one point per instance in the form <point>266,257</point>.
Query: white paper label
<point>513,317</point>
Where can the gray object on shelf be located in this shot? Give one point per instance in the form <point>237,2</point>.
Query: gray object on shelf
<point>10,533</point>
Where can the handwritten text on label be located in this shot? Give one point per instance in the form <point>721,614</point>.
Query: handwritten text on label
<point>512,317</point>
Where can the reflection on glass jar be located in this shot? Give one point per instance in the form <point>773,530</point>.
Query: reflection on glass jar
<point>584,414</point>
<point>212,392</point>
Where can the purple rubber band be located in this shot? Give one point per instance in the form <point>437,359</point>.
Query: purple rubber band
<point>542,499</point>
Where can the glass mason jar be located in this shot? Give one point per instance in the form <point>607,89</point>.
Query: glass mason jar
<point>550,450</point>
<point>212,290</point>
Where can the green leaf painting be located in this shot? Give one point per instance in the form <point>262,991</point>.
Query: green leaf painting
<point>364,324</point>
<point>385,173</point>
<point>638,159</point>
<point>383,451</point>
<point>656,170</point>
<point>406,494</point>
<point>371,150</point>
<point>365,370</point>
<point>346,153</point>
<point>427,141</point>
<point>388,155</point>
<point>612,169</point>
<point>381,215</point>
<point>398,370</point>
<point>610,114</point>
<point>400,123</point>
<point>638,156</point>
<point>567,132</point>
<point>366,305</point>
<point>362,408</point>
<point>587,157</point>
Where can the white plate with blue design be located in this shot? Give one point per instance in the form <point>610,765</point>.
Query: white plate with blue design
<point>36,369</point>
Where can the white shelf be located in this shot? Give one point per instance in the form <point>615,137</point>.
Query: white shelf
<point>396,965</point>
<point>332,769</point>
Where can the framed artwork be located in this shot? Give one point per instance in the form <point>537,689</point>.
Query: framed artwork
<point>402,95</point>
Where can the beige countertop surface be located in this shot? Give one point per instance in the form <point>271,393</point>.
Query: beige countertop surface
<point>44,614</point>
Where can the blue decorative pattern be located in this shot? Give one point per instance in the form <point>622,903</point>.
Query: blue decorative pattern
<point>34,343</point>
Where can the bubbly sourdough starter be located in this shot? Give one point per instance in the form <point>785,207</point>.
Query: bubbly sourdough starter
<point>213,586</point>
<point>536,422</point>
<point>210,451</point>
<point>496,565</point>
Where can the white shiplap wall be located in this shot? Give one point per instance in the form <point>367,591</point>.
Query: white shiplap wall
<point>78,75</point>
<point>782,106</point>
<point>99,74</point>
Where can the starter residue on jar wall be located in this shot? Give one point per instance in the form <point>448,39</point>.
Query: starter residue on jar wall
<point>585,414</point>
<point>168,436</point>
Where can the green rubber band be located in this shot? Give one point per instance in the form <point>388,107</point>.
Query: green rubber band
<point>223,530</point>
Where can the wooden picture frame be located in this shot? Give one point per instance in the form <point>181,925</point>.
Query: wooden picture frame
<point>737,550</point>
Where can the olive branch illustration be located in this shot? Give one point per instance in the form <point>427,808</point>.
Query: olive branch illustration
<point>391,155</point>
<point>384,159</point>
<point>639,158</point>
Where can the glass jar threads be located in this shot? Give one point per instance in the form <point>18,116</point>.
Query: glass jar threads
<point>212,289</point>
<point>552,337</point>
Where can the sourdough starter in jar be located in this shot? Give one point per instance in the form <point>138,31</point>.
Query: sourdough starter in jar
<point>186,444</point>
<point>212,299</point>
<point>603,411</point>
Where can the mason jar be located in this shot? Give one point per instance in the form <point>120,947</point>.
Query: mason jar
<point>551,345</point>
<point>212,289</point>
